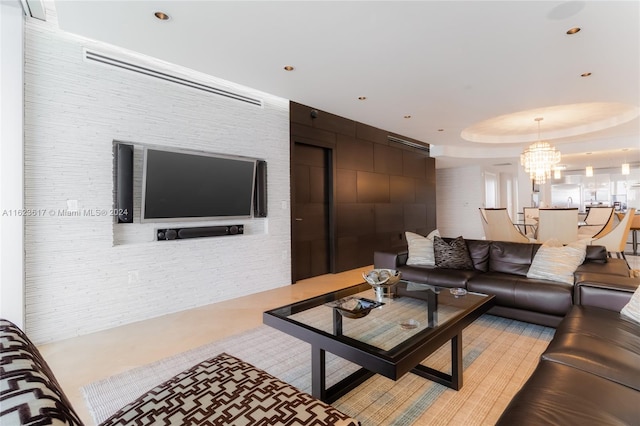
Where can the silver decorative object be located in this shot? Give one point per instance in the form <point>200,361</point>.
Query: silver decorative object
<point>382,281</point>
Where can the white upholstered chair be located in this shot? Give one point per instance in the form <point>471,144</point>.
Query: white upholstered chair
<point>485,224</point>
<point>599,220</point>
<point>616,239</point>
<point>635,228</point>
<point>497,226</point>
<point>559,224</point>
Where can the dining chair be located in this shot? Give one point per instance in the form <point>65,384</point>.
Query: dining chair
<point>497,226</point>
<point>616,239</point>
<point>531,215</point>
<point>485,224</point>
<point>633,230</point>
<point>559,224</point>
<point>599,220</point>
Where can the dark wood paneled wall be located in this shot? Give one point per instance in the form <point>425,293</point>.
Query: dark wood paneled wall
<point>380,188</point>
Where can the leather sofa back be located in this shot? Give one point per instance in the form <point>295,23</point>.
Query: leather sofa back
<point>511,258</point>
<point>516,258</point>
<point>497,256</point>
<point>479,251</point>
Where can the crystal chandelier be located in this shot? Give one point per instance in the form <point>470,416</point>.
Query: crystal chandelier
<point>540,159</point>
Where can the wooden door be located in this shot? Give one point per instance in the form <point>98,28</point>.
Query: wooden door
<point>310,226</point>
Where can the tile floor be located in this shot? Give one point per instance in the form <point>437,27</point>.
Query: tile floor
<point>82,360</point>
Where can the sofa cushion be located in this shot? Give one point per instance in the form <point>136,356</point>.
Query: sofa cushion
<point>29,392</point>
<point>524,293</point>
<point>511,258</point>
<point>600,342</point>
<point>453,254</point>
<point>441,277</point>
<point>596,254</point>
<point>556,394</point>
<point>421,249</point>
<point>479,252</point>
<point>556,262</point>
<point>226,390</point>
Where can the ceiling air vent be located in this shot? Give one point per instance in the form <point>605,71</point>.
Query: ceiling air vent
<point>408,143</point>
<point>118,63</point>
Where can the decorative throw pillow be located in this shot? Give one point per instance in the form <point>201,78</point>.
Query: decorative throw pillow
<point>632,309</point>
<point>421,249</point>
<point>556,262</point>
<point>453,255</point>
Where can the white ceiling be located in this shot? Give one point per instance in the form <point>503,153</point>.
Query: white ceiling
<point>448,64</point>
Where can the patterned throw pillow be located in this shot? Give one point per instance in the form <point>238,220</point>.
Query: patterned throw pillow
<point>453,255</point>
<point>632,309</point>
<point>556,262</point>
<point>421,249</point>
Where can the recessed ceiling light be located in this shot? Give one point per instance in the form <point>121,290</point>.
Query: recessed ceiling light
<point>162,16</point>
<point>288,68</point>
<point>362,98</point>
<point>585,74</point>
<point>573,30</point>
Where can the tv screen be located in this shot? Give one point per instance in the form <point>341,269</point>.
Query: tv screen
<point>184,185</point>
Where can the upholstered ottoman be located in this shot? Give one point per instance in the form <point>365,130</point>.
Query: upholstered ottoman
<point>225,390</point>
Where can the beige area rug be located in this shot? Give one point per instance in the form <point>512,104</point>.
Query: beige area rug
<point>498,356</point>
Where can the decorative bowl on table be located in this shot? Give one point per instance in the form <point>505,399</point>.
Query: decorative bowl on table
<point>354,307</point>
<point>458,292</point>
<point>382,280</point>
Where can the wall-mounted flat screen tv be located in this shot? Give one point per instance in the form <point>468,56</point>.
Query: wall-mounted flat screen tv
<point>190,185</point>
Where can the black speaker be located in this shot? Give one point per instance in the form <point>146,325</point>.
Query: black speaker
<point>124,182</point>
<point>198,232</point>
<point>260,193</point>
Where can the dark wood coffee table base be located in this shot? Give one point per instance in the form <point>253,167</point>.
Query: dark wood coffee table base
<point>346,385</point>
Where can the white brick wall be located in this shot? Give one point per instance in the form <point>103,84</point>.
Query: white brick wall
<point>78,268</point>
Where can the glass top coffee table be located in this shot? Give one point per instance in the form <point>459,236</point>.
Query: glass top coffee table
<point>387,336</point>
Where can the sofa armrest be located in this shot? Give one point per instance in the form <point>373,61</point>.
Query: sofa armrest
<point>603,290</point>
<point>390,259</point>
<point>612,266</point>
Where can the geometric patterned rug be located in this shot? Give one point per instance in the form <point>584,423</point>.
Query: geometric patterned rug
<point>498,356</point>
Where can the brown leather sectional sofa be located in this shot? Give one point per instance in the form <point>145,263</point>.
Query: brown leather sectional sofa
<point>590,372</point>
<point>500,268</point>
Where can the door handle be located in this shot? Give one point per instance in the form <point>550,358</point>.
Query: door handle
<point>298,219</point>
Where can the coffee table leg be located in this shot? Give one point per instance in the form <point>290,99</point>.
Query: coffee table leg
<point>453,380</point>
<point>337,323</point>
<point>318,385</point>
<point>456,362</point>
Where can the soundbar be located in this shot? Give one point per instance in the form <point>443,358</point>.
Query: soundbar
<point>198,232</point>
